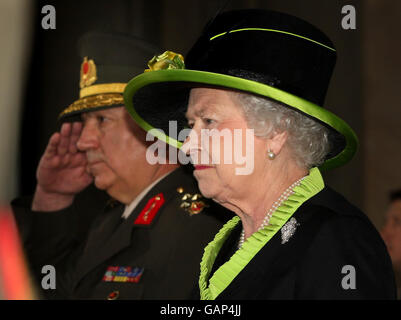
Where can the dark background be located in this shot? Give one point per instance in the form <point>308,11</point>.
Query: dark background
<point>364,88</point>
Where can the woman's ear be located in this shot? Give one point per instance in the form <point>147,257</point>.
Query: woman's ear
<point>276,142</point>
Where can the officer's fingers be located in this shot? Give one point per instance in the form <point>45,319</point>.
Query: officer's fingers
<point>66,160</point>
<point>87,178</point>
<point>52,146</point>
<point>54,162</point>
<point>75,134</point>
<point>76,128</point>
<point>65,134</point>
<point>79,160</point>
<point>65,130</point>
<point>83,177</point>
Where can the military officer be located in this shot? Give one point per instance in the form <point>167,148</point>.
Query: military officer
<point>149,243</point>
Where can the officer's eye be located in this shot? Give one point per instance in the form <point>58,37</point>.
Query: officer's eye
<point>101,119</point>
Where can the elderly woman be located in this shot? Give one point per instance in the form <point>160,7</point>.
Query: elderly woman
<point>293,237</point>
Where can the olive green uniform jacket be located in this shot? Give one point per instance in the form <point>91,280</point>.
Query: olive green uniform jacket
<point>124,259</point>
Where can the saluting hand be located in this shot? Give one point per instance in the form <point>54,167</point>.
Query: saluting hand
<point>61,172</point>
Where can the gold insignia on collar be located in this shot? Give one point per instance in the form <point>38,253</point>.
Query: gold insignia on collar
<point>88,73</point>
<point>192,204</point>
<point>196,207</point>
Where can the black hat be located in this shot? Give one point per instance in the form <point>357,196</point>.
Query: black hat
<point>109,61</point>
<point>266,53</point>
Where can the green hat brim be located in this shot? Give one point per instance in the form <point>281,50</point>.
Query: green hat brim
<point>200,78</point>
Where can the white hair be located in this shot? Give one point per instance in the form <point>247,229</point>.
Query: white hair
<point>308,140</point>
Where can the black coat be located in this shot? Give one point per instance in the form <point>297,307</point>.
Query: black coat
<point>169,249</point>
<point>332,234</point>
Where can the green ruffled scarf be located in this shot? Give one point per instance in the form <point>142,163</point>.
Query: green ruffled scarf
<point>310,186</point>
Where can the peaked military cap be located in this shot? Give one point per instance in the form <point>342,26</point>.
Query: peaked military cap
<point>109,61</point>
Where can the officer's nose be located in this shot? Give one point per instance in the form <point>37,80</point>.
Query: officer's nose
<point>89,138</point>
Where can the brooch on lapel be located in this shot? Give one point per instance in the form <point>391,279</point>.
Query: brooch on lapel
<point>288,230</point>
<point>149,212</point>
<point>192,203</point>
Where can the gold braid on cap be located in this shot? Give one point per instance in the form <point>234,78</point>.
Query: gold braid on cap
<point>96,101</point>
<point>102,88</point>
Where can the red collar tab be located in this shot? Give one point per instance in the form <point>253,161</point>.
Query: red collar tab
<point>149,212</point>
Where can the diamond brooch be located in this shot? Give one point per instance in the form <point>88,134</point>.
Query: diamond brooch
<point>288,230</point>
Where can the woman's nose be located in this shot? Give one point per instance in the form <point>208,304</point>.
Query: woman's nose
<point>191,146</point>
<point>191,142</point>
<point>89,138</point>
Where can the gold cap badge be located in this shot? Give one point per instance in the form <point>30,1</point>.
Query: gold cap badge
<point>88,73</point>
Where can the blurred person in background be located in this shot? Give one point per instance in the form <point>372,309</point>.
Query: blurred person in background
<point>391,233</point>
<point>15,281</point>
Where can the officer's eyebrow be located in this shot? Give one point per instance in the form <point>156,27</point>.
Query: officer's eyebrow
<point>84,115</point>
<point>88,115</point>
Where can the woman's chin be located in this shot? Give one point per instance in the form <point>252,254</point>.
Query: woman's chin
<point>207,182</point>
<point>205,189</point>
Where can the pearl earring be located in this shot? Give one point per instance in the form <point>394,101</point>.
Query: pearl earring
<point>271,155</point>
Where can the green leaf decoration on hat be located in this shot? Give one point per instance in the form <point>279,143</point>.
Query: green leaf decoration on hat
<point>166,60</point>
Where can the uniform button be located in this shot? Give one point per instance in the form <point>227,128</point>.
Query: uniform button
<point>180,189</point>
<point>113,295</point>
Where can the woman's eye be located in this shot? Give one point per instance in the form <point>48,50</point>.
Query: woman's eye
<point>208,121</point>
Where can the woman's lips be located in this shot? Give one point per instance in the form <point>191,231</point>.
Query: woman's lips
<point>198,167</point>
